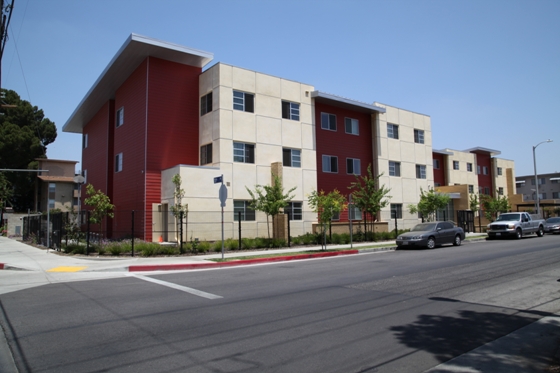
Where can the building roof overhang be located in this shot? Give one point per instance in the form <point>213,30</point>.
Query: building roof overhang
<point>479,149</point>
<point>60,179</point>
<point>135,49</point>
<point>346,103</point>
<point>444,152</point>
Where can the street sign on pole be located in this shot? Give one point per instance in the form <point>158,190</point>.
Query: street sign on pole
<point>219,179</point>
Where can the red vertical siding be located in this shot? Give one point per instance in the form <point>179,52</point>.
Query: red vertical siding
<point>485,181</point>
<point>439,174</point>
<point>342,145</point>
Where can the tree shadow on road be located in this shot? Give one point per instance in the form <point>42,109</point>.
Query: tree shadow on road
<point>447,337</point>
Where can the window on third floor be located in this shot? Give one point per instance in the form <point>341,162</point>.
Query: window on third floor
<point>206,104</point>
<point>351,126</point>
<point>328,121</point>
<point>244,101</point>
<point>290,110</point>
<point>419,136</point>
<point>392,131</point>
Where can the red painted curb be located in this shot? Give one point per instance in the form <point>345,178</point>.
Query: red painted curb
<point>1,265</point>
<point>173,267</point>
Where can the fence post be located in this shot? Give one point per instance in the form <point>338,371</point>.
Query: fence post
<point>87,234</point>
<point>181,232</point>
<point>288,228</point>
<point>239,227</point>
<point>132,242</point>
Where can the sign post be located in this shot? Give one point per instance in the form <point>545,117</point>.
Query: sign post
<point>223,197</point>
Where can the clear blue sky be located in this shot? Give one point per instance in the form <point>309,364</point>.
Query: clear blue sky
<point>486,71</point>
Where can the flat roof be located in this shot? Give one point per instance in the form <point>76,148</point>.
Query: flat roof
<point>444,152</point>
<point>346,103</point>
<point>480,149</point>
<point>135,49</point>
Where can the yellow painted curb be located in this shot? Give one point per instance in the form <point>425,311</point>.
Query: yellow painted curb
<point>66,269</point>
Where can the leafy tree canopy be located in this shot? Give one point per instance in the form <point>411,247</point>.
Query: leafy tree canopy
<point>494,205</point>
<point>326,205</point>
<point>368,196</point>
<point>430,202</point>
<point>24,136</point>
<point>100,203</point>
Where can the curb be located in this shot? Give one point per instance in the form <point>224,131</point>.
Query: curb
<point>174,267</point>
<point>1,265</point>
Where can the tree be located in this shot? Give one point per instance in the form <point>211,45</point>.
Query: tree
<point>368,196</point>
<point>178,209</point>
<point>326,206</point>
<point>24,136</point>
<point>493,206</point>
<point>5,190</point>
<point>430,202</point>
<point>270,199</point>
<point>101,206</point>
<point>474,202</point>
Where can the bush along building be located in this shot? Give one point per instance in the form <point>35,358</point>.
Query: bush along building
<point>159,110</point>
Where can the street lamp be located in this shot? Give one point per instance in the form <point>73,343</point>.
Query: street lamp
<point>536,179</point>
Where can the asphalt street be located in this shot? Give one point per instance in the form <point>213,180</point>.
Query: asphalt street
<point>481,307</point>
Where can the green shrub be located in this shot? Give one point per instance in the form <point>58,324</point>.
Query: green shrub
<point>231,244</point>
<point>217,246</point>
<point>68,249</point>
<point>204,247</point>
<point>345,238</point>
<point>79,250</point>
<point>261,243</point>
<point>248,243</point>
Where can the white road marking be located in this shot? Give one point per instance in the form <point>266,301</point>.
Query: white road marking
<point>176,287</point>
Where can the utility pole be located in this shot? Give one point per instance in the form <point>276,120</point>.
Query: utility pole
<point>6,7</point>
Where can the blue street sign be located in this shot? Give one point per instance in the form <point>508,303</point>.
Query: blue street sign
<point>218,179</point>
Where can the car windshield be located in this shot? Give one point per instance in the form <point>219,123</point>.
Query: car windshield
<point>424,227</point>
<point>553,220</point>
<point>508,217</point>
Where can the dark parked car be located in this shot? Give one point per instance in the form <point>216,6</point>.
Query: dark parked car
<point>431,234</point>
<point>552,225</point>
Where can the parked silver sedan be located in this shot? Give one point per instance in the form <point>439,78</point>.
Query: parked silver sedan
<point>552,225</point>
<point>432,234</point>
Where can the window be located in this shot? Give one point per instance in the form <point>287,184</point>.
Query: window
<point>436,164</point>
<point>328,121</point>
<point>542,181</point>
<point>420,171</point>
<point>291,157</point>
<point>394,168</point>
<point>205,154</point>
<point>206,104</point>
<point>330,163</point>
<point>487,191</point>
<point>352,126</point>
<point>469,167</point>
<point>353,166</point>
<point>501,191</point>
<point>396,211</point>
<point>554,181</point>
<point>392,131</point>
<point>84,140</point>
<point>354,213</point>
<point>295,211</point>
<point>52,195</point>
<point>244,153</point>
<point>244,101</point>
<point>499,171</point>
<point>485,170</point>
<point>336,216</point>
<point>419,136</point>
<point>120,117</point>
<point>119,162</point>
<point>243,207</point>
<point>455,165</point>
<point>478,170</point>
<point>555,195</point>
<point>437,184</point>
<point>541,196</point>
<point>471,188</point>
<point>84,174</point>
<point>290,110</point>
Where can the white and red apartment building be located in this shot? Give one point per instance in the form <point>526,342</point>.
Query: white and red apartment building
<point>158,110</point>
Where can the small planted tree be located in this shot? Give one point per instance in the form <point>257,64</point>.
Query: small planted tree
<point>326,206</point>
<point>493,206</point>
<point>430,202</point>
<point>179,210</point>
<point>368,196</point>
<point>270,199</point>
<point>474,202</point>
<point>100,204</point>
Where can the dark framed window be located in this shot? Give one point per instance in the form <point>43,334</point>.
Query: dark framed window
<point>244,153</point>
<point>419,136</point>
<point>352,126</point>
<point>120,117</point>
<point>354,213</point>
<point>420,171</point>
<point>396,210</point>
<point>392,131</point>
<point>436,164</point>
<point>119,162</point>
<point>84,140</point>
<point>455,165</point>
<point>328,121</point>
<point>469,167</point>
<point>501,191</point>
<point>394,168</point>
<point>471,188</point>
<point>330,163</point>
<point>295,210</point>
<point>291,157</point>
<point>206,104</point>
<point>206,154</point>
<point>499,170</point>
<point>353,166</point>
<point>243,207</point>
<point>290,110</point>
<point>244,101</point>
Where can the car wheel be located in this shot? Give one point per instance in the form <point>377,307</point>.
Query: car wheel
<point>540,232</point>
<point>431,243</point>
<point>457,240</point>
<point>518,234</point>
